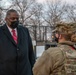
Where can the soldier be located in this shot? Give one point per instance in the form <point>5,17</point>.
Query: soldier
<point>60,60</point>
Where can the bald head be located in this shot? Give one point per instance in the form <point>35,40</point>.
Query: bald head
<point>11,11</point>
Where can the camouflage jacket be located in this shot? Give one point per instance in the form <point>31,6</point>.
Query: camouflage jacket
<point>59,60</point>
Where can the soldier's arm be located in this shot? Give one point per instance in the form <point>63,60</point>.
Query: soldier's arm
<point>41,66</point>
<point>47,63</point>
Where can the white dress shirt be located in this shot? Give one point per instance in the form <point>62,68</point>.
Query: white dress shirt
<point>11,30</point>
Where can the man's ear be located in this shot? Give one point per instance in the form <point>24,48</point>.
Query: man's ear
<point>6,19</point>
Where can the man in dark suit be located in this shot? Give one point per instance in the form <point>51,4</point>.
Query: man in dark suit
<point>16,51</point>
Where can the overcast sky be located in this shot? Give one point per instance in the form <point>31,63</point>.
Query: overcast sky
<point>7,2</point>
<point>41,1</point>
<point>68,1</point>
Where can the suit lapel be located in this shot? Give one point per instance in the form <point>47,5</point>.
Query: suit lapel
<point>8,34</point>
<point>19,35</point>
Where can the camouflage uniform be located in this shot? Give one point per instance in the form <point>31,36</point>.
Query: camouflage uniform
<point>60,60</point>
<point>69,54</point>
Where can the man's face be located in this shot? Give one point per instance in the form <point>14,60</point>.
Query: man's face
<point>11,18</point>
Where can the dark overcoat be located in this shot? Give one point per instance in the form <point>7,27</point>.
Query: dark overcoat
<point>16,59</point>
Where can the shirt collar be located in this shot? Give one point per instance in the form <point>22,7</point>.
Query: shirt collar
<point>10,28</point>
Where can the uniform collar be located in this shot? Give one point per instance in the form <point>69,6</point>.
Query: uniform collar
<point>67,43</point>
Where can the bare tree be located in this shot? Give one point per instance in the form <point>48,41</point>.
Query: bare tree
<point>55,12</point>
<point>1,12</point>
<point>36,20</point>
<point>23,7</point>
<point>71,13</point>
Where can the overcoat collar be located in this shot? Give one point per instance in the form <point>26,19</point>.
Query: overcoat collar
<point>8,34</point>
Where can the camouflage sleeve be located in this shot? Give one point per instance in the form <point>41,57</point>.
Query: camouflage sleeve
<point>47,62</point>
<point>41,66</point>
